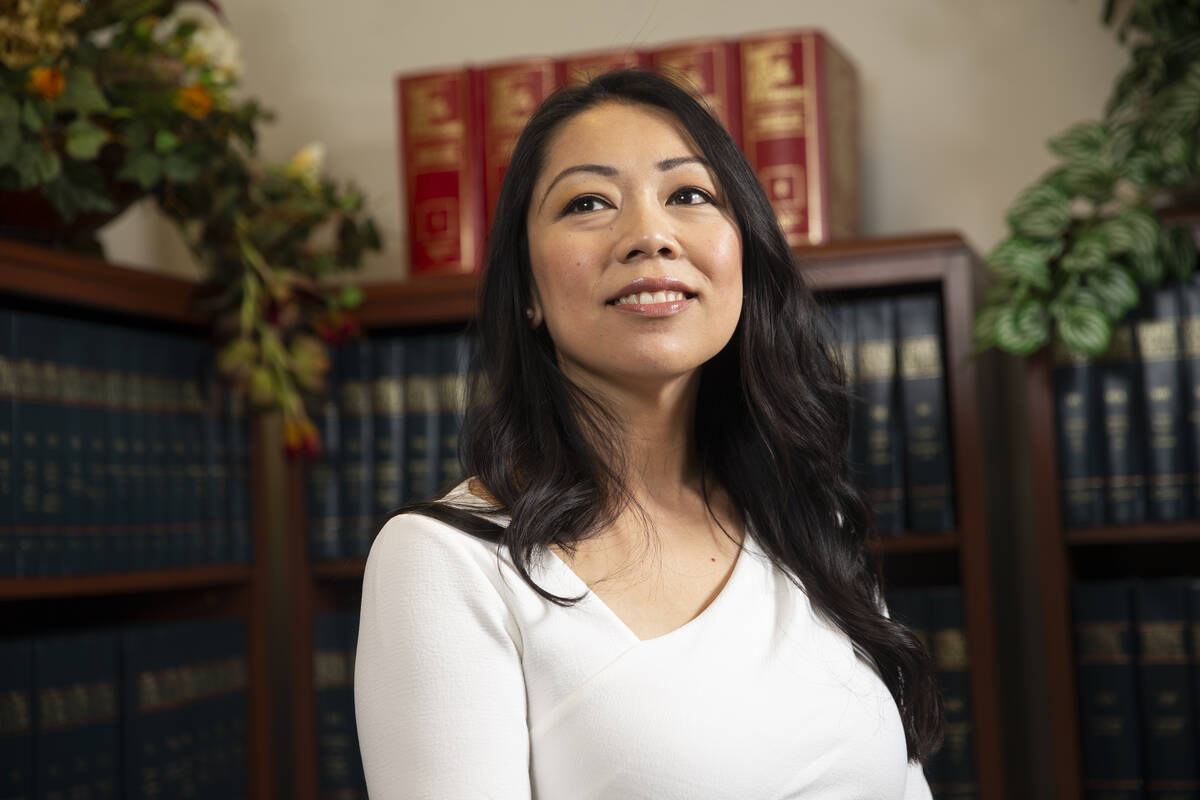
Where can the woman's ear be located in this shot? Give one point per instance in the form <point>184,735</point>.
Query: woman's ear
<point>533,312</point>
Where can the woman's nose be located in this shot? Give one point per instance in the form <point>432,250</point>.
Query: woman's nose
<point>647,232</point>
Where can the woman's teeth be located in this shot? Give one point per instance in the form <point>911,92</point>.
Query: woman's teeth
<point>645,298</point>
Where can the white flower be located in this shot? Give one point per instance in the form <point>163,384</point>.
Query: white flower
<point>217,49</point>
<point>306,164</point>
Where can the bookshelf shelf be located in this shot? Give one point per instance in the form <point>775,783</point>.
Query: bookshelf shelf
<point>167,580</point>
<point>938,262</point>
<point>1134,535</point>
<point>71,286</point>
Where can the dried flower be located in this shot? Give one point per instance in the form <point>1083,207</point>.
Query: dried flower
<point>47,81</point>
<point>306,164</point>
<point>300,436</point>
<point>216,48</point>
<point>195,101</point>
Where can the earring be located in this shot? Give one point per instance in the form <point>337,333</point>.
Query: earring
<point>529,313</point>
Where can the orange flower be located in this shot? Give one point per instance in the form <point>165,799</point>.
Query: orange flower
<point>47,81</point>
<point>300,436</point>
<point>194,100</point>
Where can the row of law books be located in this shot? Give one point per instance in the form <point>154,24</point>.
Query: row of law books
<point>1128,424</point>
<point>935,615</point>
<point>389,424</point>
<point>339,762</point>
<point>789,99</point>
<point>893,351</point>
<point>140,712</point>
<point>1137,650</point>
<point>119,450</point>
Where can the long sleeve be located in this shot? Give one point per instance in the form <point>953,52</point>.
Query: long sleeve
<point>439,691</point>
<point>916,787</point>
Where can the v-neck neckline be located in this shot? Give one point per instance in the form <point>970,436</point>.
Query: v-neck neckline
<point>705,613</point>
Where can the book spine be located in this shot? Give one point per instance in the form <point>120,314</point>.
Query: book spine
<point>8,483</point>
<point>216,497</point>
<point>1108,696</point>
<point>191,354</point>
<point>1168,723</point>
<point>839,141</point>
<point>1078,425</point>
<point>883,445</point>
<point>511,93</point>
<point>143,698</point>
<point>576,70</point>
<point>1120,390</point>
<point>358,454</point>
<point>955,767</point>
<point>421,418</point>
<point>928,469</point>
<point>1190,330</point>
<point>117,448</point>
<point>1193,599</point>
<point>441,152</point>
<point>76,509</point>
<point>325,506</point>
<point>711,70</point>
<point>785,135</point>
<point>237,452</point>
<point>52,526</point>
<point>16,719</point>
<point>134,359</point>
<point>388,399</point>
<point>453,359</point>
<point>161,413</point>
<point>1157,330</point>
<point>847,355</point>
<point>95,426</point>
<point>76,716</point>
<point>338,760</point>
<point>33,419</point>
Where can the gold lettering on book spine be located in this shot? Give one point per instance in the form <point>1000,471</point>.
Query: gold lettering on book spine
<point>950,649</point>
<point>1101,642</point>
<point>1158,339</point>
<point>876,361</point>
<point>428,113</point>
<point>920,357</point>
<point>1163,642</point>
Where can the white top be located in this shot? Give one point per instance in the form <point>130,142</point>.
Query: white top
<point>470,685</point>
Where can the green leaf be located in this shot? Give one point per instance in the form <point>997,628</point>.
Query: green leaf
<point>81,94</point>
<point>1144,227</point>
<point>84,139</point>
<point>142,168</point>
<point>10,136</point>
<point>1088,177</point>
<point>180,169</point>
<point>10,109</point>
<point>36,165</point>
<point>1124,139</point>
<point>1146,267</point>
<point>1089,251</point>
<point>71,198</point>
<point>1179,252</point>
<point>983,329</point>
<point>1143,167</point>
<point>1022,328</point>
<point>1116,291</point>
<point>36,114</point>
<point>1085,330</point>
<point>350,297</point>
<point>1040,212</point>
<point>165,142</point>
<point>1022,260</point>
<point>1083,140</point>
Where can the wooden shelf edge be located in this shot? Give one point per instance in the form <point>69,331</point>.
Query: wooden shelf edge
<point>162,580</point>
<point>65,277</point>
<point>342,569</point>
<point>1133,535</point>
<point>916,543</point>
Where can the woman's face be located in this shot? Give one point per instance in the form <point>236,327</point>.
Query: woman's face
<point>637,262</point>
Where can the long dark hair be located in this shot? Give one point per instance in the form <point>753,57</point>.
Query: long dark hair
<point>771,420</point>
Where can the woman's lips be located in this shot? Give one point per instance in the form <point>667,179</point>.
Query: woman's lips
<point>664,309</point>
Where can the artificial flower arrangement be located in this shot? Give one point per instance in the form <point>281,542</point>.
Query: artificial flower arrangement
<point>103,102</point>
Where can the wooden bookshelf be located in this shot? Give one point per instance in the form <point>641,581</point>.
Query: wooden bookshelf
<point>72,285</point>
<point>940,262</point>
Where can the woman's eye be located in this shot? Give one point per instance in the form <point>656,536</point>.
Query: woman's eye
<point>584,204</point>
<point>691,196</point>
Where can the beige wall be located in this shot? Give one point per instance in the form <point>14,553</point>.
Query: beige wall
<point>958,98</point>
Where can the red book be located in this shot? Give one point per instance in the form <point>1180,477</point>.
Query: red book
<point>511,93</point>
<point>709,70</point>
<point>442,170</point>
<point>576,69</point>
<point>800,132</point>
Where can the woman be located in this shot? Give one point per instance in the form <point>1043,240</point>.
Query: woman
<point>656,585</point>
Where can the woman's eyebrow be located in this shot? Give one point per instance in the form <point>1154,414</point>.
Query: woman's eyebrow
<point>672,163</point>
<point>598,169</point>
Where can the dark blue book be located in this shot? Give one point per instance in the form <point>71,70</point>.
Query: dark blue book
<point>1164,677</point>
<point>954,764</point>
<point>16,720</point>
<point>879,411</point>
<point>1157,334</point>
<point>842,315</point>
<point>909,606</point>
<point>1124,451</point>
<point>119,413</point>
<point>1190,330</point>
<point>453,363</point>
<point>237,427</point>
<point>135,357</point>
<point>160,414</point>
<point>358,452</point>
<point>77,723</point>
<point>388,409</point>
<point>69,358</point>
<point>325,506</point>
<point>421,417</point>
<point>339,765</point>
<point>1079,429</point>
<point>1110,720</point>
<point>94,413</point>
<point>928,466</point>
<point>148,698</point>
<point>216,517</point>
<point>191,354</point>
<point>8,483</point>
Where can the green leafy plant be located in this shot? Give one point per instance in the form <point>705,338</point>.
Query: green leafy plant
<point>106,101</point>
<point>1088,235</point>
